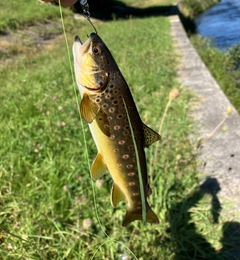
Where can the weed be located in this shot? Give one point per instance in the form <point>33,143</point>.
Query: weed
<point>223,66</point>
<point>191,8</point>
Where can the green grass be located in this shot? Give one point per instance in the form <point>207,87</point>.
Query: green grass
<point>47,196</point>
<point>16,13</point>
<point>191,8</point>
<point>148,3</point>
<point>223,66</point>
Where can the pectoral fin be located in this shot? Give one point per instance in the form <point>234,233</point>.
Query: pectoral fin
<point>88,109</point>
<point>117,195</point>
<point>150,136</point>
<point>98,168</point>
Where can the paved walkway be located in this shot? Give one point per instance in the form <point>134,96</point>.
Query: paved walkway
<point>218,154</point>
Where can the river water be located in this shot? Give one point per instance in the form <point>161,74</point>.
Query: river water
<point>221,23</point>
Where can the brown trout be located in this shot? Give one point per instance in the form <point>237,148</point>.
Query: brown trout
<point>106,98</point>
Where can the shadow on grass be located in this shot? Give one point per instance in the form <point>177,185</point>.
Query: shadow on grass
<point>192,245</point>
<point>230,241</point>
<point>111,9</point>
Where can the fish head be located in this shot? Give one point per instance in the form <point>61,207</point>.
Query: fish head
<point>92,64</point>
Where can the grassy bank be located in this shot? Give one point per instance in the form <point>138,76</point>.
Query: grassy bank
<point>22,13</point>
<point>50,208</point>
<point>191,8</point>
<point>223,66</point>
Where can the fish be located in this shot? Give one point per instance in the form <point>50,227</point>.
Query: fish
<point>107,106</point>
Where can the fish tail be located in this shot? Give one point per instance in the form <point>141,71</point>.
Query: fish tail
<point>130,216</point>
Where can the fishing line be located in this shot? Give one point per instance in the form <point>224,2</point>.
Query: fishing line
<point>85,144</point>
<point>81,121</point>
<point>85,7</point>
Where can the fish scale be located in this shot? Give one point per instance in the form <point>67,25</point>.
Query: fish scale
<point>106,104</point>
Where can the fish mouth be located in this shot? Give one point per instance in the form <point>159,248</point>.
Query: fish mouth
<point>94,89</point>
<point>77,39</point>
<point>79,46</point>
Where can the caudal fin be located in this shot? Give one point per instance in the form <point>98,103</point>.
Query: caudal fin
<point>130,216</point>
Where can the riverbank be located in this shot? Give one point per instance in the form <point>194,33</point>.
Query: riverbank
<point>190,8</point>
<point>224,66</point>
<point>216,120</point>
<point>217,141</point>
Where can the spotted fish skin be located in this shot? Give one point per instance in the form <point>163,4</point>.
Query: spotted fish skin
<point>105,99</point>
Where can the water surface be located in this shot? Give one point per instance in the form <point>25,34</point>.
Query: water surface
<point>221,23</point>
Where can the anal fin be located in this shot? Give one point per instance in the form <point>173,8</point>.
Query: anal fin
<point>98,168</point>
<point>117,195</point>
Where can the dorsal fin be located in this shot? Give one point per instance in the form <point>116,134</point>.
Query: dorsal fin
<point>150,136</point>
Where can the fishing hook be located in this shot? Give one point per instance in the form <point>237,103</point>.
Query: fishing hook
<point>86,13</point>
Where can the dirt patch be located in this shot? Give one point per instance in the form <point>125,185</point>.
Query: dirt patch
<point>28,40</point>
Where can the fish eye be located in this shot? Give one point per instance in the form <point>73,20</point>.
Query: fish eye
<point>96,50</point>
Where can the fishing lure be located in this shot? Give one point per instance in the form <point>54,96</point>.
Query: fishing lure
<point>85,6</point>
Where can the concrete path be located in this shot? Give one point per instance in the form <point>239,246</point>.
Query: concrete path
<point>219,153</point>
